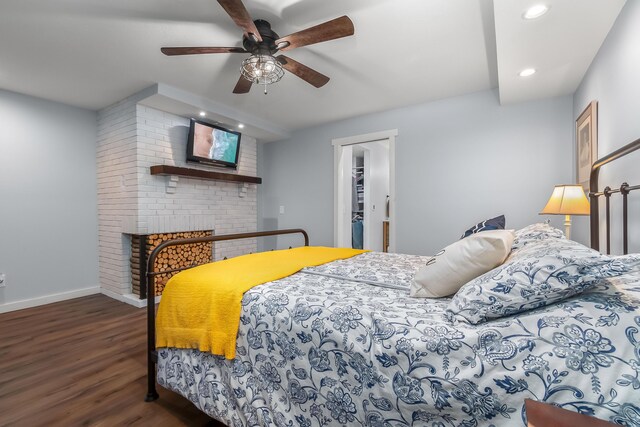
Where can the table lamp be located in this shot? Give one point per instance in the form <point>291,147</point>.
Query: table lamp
<point>567,200</point>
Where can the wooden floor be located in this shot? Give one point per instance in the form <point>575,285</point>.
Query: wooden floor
<point>82,363</point>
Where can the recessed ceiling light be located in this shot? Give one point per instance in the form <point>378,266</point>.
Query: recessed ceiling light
<point>202,114</point>
<point>240,125</point>
<point>536,11</point>
<point>527,72</point>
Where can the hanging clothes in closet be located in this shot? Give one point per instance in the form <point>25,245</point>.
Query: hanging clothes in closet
<point>357,233</point>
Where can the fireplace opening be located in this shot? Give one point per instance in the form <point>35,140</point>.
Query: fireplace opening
<point>170,258</point>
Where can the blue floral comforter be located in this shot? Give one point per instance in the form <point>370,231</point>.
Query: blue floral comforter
<point>316,350</point>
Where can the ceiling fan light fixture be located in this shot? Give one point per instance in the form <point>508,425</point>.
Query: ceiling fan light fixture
<point>262,69</point>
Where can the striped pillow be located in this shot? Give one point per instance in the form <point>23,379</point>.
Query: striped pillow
<point>496,223</point>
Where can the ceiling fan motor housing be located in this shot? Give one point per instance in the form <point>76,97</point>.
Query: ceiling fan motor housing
<point>269,37</point>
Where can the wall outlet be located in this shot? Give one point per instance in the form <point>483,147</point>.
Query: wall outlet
<point>281,209</point>
<point>3,280</point>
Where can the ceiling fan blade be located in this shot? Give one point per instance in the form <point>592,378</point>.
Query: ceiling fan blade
<point>243,85</point>
<point>241,17</point>
<point>171,51</point>
<point>334,29</point>
<point>307,74</point>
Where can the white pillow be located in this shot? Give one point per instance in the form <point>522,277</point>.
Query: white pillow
<point>461,262</point>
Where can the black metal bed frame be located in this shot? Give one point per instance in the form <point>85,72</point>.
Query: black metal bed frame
<point>594,195</point>
<point>152,354</point>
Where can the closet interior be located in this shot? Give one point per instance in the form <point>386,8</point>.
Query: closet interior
<point>357,208</point>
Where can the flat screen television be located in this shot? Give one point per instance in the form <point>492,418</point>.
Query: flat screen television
<point>213,145</point>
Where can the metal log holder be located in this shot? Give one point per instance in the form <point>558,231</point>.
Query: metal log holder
<point>152,354</point>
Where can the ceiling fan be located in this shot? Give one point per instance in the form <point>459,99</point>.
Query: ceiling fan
<point>262,67</point>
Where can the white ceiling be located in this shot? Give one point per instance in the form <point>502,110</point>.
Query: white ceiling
<point>92,53</point>
<point>560,45</point>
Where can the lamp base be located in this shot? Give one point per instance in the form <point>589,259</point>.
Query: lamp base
<point>567,226</point>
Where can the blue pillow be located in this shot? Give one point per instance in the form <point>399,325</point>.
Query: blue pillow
<point>496,223</point>
<point>543,273</point>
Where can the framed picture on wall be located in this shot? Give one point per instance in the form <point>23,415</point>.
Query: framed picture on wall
<point>587,142</point>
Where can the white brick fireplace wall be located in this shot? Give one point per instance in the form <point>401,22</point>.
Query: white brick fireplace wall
<point>131,138</point>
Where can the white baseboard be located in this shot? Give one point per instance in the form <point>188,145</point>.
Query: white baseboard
<point>130,299</point>
<point>48,299</point>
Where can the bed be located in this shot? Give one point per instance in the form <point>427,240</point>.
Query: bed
<point>344,344</point>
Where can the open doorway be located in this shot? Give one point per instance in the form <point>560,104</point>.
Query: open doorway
<point>364,188</point>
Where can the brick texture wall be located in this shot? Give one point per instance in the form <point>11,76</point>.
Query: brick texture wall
<point>133,137</point>
<point>117,192</point>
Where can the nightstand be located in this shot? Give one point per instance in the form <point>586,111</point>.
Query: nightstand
<point>541,414</point>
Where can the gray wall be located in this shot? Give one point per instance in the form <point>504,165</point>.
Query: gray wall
<point>459,161</point>
<point>48,216</point>
<point>613,79</point>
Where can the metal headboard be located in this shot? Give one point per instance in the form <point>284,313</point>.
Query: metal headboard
<point>595,194</point>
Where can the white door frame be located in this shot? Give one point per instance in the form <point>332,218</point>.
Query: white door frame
<point>338,144</point>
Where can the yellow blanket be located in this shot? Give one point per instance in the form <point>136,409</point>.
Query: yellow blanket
<point>200,307</point>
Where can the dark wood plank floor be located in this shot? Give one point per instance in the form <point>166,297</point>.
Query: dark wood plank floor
<point>82,363</point>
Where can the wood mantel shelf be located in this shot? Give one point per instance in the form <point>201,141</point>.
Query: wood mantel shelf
<point>202,174</point>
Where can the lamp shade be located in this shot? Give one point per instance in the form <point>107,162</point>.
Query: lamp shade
<point>567,200</point>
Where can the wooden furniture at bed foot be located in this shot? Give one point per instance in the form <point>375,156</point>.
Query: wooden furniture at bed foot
<point>541,414</point>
